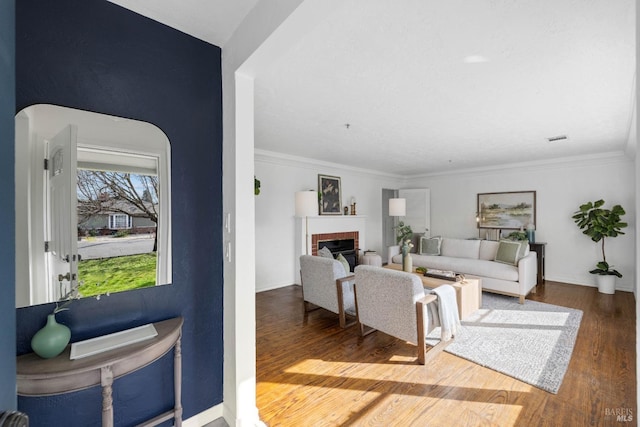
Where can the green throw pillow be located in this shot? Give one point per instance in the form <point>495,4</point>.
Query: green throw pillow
<point>508,252</point>
<point>524,244</point>
<point>430,246</point>
<point>345,263</point>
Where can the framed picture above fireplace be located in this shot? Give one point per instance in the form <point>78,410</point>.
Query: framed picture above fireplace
<point>330,195</point>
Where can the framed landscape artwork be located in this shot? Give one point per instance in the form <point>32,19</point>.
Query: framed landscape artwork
<point>330,195</point>
<point>511,210</point>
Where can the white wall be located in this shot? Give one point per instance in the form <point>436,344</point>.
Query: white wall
<point>249,48</point>
<point>22,206</point>
<point>280,177</point>
<point>560,188</point>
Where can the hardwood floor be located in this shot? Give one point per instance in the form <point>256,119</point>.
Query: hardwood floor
<point>312,373</point>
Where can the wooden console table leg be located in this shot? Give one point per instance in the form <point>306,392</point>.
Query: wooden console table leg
<point>106,380</point>
<point>177,382</point>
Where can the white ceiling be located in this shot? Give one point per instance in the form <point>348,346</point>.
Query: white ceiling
<point>213,21</point>
<point>429,86</point>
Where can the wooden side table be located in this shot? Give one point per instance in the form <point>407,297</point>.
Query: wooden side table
<point>539,249</point>
<point>44,377</point>
<point>468,293</point>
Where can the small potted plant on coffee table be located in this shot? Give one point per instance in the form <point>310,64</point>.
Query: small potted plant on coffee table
<point>599,223</point>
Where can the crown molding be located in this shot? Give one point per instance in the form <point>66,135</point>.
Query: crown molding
<point>548,164</point>
<point>281,159</point>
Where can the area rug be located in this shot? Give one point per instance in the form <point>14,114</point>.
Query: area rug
<point>531,342</point>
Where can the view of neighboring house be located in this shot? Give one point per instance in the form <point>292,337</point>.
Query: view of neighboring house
<point>116,215</point>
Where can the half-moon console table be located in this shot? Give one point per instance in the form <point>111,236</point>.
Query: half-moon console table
<point>45,377</point>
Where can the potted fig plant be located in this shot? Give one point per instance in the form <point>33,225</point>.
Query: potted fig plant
<point>599,223</point>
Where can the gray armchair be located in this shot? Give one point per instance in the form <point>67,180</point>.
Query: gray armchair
<point>394,302</point>
<point>326,284</point>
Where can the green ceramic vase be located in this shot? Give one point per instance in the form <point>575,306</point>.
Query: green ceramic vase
<point>51,340</point>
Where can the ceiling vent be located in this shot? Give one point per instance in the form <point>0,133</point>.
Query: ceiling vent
<point>557,138</point>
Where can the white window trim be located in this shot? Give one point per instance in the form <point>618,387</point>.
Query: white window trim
<point>113,221</point>
<point>138,161</point>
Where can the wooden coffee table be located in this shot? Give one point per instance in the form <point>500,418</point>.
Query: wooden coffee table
<point>468,292</point>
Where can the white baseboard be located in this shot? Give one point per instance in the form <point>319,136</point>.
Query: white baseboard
<point>204,417</point>
<point>212,414</point>
<point>620,285</point>
<point>270,288</point>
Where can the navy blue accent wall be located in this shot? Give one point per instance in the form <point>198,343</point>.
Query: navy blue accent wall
<point>94,55</point>
<point>7,215</point>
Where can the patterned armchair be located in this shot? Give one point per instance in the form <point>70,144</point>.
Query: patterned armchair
<point>325,284</point>
<point>394,302</point>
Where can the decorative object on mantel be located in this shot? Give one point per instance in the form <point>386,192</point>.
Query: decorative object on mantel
<point>407,261</point>
<point>52,339</point>
<point>306,206</point>
<point>353,206</point>
<point>330,195</point>
<point>346,210</point>
<point>599,223</point>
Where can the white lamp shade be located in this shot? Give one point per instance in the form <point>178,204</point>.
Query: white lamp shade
<point>306,203</point>
<point>397,207</point>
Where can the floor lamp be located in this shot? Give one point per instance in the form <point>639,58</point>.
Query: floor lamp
<point>306,206</point>
<point>397,208</point>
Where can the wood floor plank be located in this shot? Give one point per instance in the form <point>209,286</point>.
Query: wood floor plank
<point>310,372</point>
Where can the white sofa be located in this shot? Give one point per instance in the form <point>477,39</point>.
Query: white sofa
<point>477,258</point>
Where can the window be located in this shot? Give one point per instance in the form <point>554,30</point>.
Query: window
<point>119,205</point>
<point>119,221</point>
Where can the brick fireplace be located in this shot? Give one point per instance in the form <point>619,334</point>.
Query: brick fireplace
<point>348,235</point>
<point>345,243</point>
<point>321,228</point>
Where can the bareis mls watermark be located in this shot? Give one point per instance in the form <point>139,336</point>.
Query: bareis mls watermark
<point>620,414</point>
